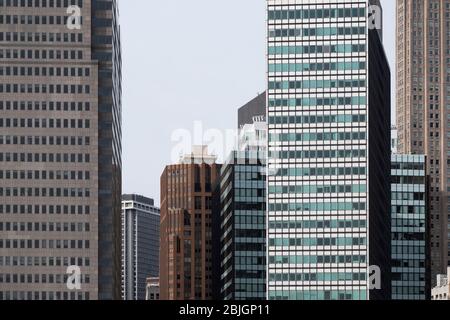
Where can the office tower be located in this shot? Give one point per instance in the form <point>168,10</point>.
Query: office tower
<point>242,220</point>
<point>409,213</point>
<point>186,227</point>
<point>140,245</point>
<point>329,152</point>
<point>152,289</point>
<point>243,227</point>
<point>442,289</point>
<point>254,108</point>
<point>60,136</point>
<point>423,60</point>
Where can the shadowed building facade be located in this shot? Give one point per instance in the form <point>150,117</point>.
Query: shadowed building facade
<point>60,150</point>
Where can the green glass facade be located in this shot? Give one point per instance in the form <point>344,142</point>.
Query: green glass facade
<point>410,248</point>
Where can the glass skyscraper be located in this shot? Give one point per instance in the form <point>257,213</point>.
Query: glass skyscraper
<point>410,245</point>
<point>329,151</point>
<point>243,227</point>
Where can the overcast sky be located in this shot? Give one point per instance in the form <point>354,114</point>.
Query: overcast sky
<point>187,61</point>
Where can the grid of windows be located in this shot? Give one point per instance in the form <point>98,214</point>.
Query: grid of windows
<point>243,227</point>
<point>49,155</point>
<point>410,278</point>
<point>318,210</point>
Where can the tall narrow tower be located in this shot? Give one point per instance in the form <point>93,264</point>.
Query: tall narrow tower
<point>423,96</point>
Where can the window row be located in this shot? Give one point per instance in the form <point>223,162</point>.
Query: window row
<point>25,261</point>
<point>38,54</point>
<point>317,242</point>
<point>44,140</point>
<point>330,259</point>
<point>42,37</point>
<point>316,84</point>
<point>44,175</point>
<point>317,154</point>
<point>316,224</point>
<point>44,244</point>
<point>45,123</point>
<point>308,137</point>
<point>316,119</point>
<point>44,71</point>
<point>318,206</point>
<point>317,32</point>
<point>317,189</point>
<point>44,105</point>
<point>322,13</point>
<point>316,102</point>
<point>316,49</point>
<point>40,3</point>
<point>40,278</point>
<point>45,226</point>
<point>43,295</point>
<point>35,20</point>
<point>320,172</point>
<point>44,88</point>
<point>45,157</point>
<point>45,192</point>
<point>322,66</point>
<point>44,209</point>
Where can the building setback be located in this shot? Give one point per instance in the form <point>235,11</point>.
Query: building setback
<point>410,247</point>
<point>140,245</point>
<point>329,152</point>
<point>252,109</point>
<point>423,61</point>
<point>187,209</point>
<point>60,158</point>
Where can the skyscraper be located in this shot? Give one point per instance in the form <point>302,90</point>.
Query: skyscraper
<point>241,224</point>
<point>187,209</point>
<point>329,151</point>
<point>243,227</point>
<point>410,246</point>
<point>423,94</point>
<point>60,137</point>
<point>140,245</point>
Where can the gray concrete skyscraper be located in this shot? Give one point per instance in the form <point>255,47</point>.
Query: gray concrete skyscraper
<point>140,245</point>
<point>423,96</point>
<point>60,154</point>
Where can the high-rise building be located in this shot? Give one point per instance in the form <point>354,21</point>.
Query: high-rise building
<point>242,227</point>
<point>409,213</point>
<point>329,151</point>
<point>140,245</point>
<point>60,158</point>
<point>423,94</point>
<point>187,209</point>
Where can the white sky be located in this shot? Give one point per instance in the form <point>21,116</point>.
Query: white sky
<point>186,61</point>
